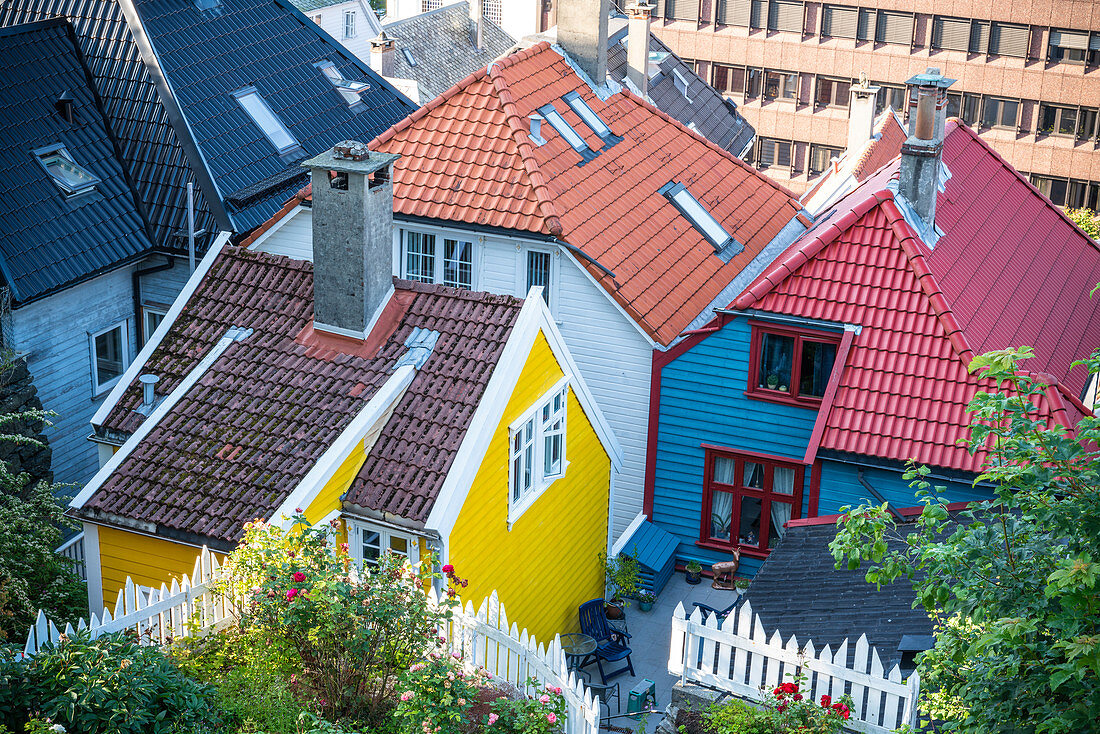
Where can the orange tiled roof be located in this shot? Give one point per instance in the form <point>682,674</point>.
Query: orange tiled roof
<point>467,157</point>
<point>883,147</point>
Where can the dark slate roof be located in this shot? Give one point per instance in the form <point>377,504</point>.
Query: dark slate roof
<point>442,43</point>
<point>205,57</point>
<point>48,241</point>
<point>242,438</point>
<point>151,151</point>
<point>712,115</point>
<point>798,592</point>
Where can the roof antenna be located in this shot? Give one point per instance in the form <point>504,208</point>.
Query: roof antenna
<point>64,106</point>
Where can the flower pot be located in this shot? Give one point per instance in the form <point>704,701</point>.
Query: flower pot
<point>613,610</point>
<point>693,577</point>
<point>645,606</point>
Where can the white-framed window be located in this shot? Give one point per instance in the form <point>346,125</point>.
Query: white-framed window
<point>110,356</point>
<point>367,543</point>
<point>431,258</point>
<point>317,19</point>
<point>539,271</point>
<point>348,89</point>
<point>151,316</point>
<point>682,83</point>
<point>537,449</point>
<point>349,24</point>
<point>257,108</point>
<point>67,174</point>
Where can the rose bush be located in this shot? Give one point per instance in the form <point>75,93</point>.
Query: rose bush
<point>436,695</point>
<point>785,709</point>
<point>542,713</point>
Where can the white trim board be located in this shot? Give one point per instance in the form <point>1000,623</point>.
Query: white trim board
<point>278,224</point>
<point>155,339</point>
<point>231,335</point>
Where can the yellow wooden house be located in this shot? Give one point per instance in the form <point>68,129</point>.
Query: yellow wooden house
<point>453,422</point>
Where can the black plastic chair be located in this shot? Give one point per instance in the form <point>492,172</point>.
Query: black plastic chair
<point>721,614</point>
<point>610,645</point>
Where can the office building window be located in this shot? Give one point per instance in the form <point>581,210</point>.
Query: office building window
<point>884,26</point>
<point>773,153</point>
<point>998,112</point>
<point>889,95</point>
<point>682,9</point>
<point>1070,193</point>
<point>785,15</point>
<point>821,157</point>
<point>832,92</point>
<point>1074,47</point>
<point>951,34</point>
<point>1076,122</point>
<point>780,85</point>
<point>839,21</point>
<point>729,79</point>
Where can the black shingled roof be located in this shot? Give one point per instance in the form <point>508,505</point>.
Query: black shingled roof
<point>167,76</point>
<point>48,241</point>
<point>713,116</point>
<point>799,592</point>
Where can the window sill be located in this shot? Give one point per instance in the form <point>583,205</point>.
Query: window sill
<point>100,390</point>
<point>516,511</point>
<point>745,550</point>
<point>772,396</point>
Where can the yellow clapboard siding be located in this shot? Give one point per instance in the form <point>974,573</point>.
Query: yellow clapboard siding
<point>547,564</point>
<point>148,561</point>
<point>328,499</point>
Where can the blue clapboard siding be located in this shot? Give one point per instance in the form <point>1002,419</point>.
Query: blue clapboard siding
<point>840,486</point>
<point>703,401</point>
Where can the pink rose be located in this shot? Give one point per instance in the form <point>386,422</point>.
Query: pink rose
<point>552,717</point>
<point>299,577</point>
<point>544,698</point>
<point>493,719</point>
<point>291,593</point>
<point>557,690</point>
<point>407,695</point>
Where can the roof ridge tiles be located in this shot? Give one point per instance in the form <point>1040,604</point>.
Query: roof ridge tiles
<point>523,143</point>
<point>908,238</point>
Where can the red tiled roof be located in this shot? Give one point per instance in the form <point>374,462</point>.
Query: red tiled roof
<point>989,283</point>
<point>242,438</point>
<point>467,157</point>
<point>882,148</point>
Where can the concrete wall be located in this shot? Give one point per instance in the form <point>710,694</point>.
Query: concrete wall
<point>55,334</point>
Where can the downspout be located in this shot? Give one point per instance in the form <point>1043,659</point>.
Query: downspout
<point>135,285</point>
<point>878,496</point>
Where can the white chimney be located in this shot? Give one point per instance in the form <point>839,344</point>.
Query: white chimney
<point>637,44</point>
<point>477,15</point>
<point>382,55</point>
<point>582,32</point>
<point>352,236</point>
<point>861,113</point>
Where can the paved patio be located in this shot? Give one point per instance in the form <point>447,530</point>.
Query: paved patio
<point>650,634</point>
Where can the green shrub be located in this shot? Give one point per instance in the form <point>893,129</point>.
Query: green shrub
<point>738,717</point>
<point>110,684</point>
<point>542,713</point>
<point>436,696</point>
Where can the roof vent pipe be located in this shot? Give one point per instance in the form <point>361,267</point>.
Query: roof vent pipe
<point>64,106</point>
<point>477,15</point>
<point>148,390</point>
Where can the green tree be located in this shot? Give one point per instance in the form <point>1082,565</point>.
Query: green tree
<point>1087,220</point>
<point>1011,583</point>
<point>32,575</point>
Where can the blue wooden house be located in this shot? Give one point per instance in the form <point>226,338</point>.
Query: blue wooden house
<point>849,355</point>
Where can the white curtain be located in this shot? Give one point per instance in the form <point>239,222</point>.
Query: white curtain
<point>721,514</point>
<point>782,483</point>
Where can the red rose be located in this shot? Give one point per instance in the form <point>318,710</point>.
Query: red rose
<point>781,707</point>
<point>299,576</point>
<point>826,702</point>
<point>798,697</point>
<point>448,568</point>
<point>777,692</point>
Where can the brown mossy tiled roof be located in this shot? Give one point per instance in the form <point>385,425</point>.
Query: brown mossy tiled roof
<point>242,438</point>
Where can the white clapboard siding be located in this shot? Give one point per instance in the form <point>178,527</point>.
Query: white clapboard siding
<point>738,656</point>
<point>73,549</point>
<point>482,639</point>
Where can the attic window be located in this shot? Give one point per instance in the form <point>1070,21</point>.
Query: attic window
<point>701,219</point>
<point>576,142</point>
<point>408,57</point>
<point>349,90</point>
<point>207,6</point>
<point>249,98</point>
<point>682,83</point>
<point>590,118</point>
<point>66,173</point>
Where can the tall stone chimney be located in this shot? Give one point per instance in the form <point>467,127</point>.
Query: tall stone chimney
<point>352,236</point>
<point>861,113</point>
<point>919,182</point>
<point>477,15</point>
<point>582,32</point>
<point>637,44</point>
<point>381,54</point>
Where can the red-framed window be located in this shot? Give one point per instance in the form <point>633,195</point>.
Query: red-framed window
<point>790,365</point>
<point>747,499</point>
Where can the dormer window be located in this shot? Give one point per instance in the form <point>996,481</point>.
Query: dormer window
<point>348,89</point>
<point>703,221</point>
<point>66,173</point>
<point>249,98</point>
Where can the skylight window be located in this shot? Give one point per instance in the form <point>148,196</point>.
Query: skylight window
<point>701,219</point>
<point>586,113</point>
<point>408,57</point>
<point>551,115</point>
<point>266,120</point>
<point>66,173</point>
<point>349,90</point>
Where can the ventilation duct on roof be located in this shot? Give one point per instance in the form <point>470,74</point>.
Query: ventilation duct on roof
<point>64,106</point>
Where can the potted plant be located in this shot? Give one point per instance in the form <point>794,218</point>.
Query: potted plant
<point>773,381</point>
<point>645,600</point>
<point>694,572</point>
<point>621,574</point>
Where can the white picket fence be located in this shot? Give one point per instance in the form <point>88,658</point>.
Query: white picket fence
<point>738,656</point>
<point>483,638</point>
<point>156,615</point>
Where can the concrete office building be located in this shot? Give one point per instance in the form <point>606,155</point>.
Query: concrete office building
<point>1027,77</point>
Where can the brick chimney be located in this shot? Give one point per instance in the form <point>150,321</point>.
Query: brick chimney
<point>477,15</point>
<point>582,32</point>
<point>381,54</point>
<point>637,44</point>
<point>861,113</point>
<point>919,182</point>
<point>352,236</point>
